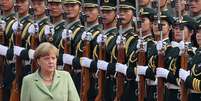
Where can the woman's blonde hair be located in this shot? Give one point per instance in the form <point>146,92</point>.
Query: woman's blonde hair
<point>44,49</point>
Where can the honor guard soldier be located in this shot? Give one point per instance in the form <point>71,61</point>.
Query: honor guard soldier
<point>173,56</point>
<point>7,7</point>
<point>38,28</point>
<point>192,78</point>
<point>92,30</point>
<point>195,10</point>
<point>56,18</point>
<point>108,22</point>
<point>147,16</point>
<point>129,38</point>
<point>73,31</point>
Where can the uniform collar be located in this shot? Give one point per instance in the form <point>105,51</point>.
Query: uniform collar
<point>91,27</point>
<point>42,19</point>
<point>24,18</point>
<point>39,82</point>
<point>72,23</point>
<point>106,31</point>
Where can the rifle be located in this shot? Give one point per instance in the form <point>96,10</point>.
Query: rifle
<point>120,78</point>
<point>2,40</point>
<point>16,85</point>
<point>184,58</point>
<point>49,36</point>
<point>34,41</point>
<point>101,73</point>
<point>141,57</point>
<point>161,56</point>
<point>85,73</point>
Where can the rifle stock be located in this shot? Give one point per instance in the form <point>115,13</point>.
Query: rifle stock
<point>67,49</point>
<point>141,86</point>
<point>85,74</point>
<point>160,82</point>
<point>1,65</point>
<point>101,74</point>
<point>16,84</point>
<point>120,78</point>
<point>34,44</point>
<point>184,65</point>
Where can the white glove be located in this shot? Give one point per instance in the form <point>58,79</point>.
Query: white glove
<point>68,59</point>
<point>15,26</point>
<point>18,50</point>
<point>181,45</point>
<point>120,39</point>
<point>2,24</point>
<point>161,72</point>
<point>31,53</point>
<point>141,70</point>
<point>183,74</point>
<point>49,29</point>
<point>3,50</point>
<point>101,38</point>
<point>87,36</point>
<point>66,34</point>
<point>33,28</point>
<point>122,68</point>
<point>159,45</point>
<point>102,65</point>
<point>144,44</point>
<point>85,62</point>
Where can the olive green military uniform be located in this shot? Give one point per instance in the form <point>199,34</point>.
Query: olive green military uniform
<point>9,65</point>
<point>173,63</point>
<point>77,29</point>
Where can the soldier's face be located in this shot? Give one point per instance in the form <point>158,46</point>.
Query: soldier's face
<point>195,6</point>
<point>55,9</point>
<point>72,10</point>
<point>146,23</point>
<point>7,5</point>
<point>177,34</point>
<point>48,63</point>
<point>165,28</point>
<point>91,13</point>
<point>23,7</point>
<point>198,37</point>
<point>108,16</point>
<point>126,15</point>
<point>39,7</point>
<point>144,2</point>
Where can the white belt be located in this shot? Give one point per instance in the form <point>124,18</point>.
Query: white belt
<point>171,86</point>
<point>151,82</point>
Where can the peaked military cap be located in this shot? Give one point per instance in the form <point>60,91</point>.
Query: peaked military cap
<point>58,1</point>
<point>147,12</point>
<point>186,21</point>
<point>90,3</point>
<point>127,4</point>
<point>71,1</point>
<point>108,4</point>
<point>165,15</point>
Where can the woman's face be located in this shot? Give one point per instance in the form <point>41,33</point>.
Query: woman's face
<point>48,63</point>
<point>165,28</point>
<point>146,23</point>
<point>198,37</point>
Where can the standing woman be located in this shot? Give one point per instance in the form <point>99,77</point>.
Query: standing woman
<point>193,79</point>
<point>47,83</point>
